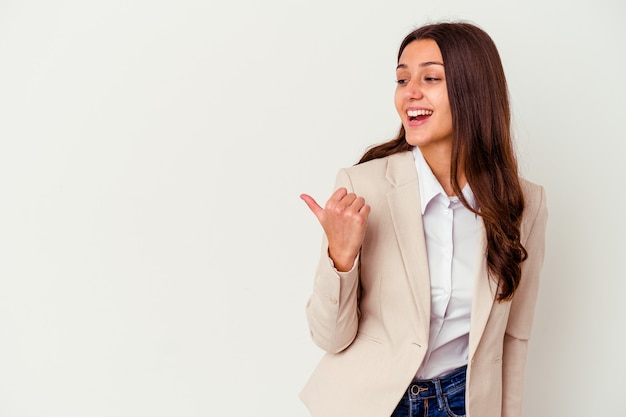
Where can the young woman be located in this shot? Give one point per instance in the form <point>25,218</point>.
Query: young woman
<point>424,294</point>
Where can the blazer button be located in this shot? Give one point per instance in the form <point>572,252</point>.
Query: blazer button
<point>332,300</point>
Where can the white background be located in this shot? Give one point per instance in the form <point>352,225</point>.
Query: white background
<point>155,258</point>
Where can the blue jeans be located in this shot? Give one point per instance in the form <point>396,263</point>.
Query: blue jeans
<point>438,397</point>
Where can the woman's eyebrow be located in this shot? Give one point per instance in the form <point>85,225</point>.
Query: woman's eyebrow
<point>422,65</point>
<point>429,63</point>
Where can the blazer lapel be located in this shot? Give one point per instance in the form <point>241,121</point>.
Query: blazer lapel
<point>404,205</point>
<point>483,297</point>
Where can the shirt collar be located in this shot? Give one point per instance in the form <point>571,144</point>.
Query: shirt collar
<point>430,186</point>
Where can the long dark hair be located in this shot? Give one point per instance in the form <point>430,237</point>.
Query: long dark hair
<point>481,144</point>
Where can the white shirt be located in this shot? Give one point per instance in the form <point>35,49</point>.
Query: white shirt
<point>452,235</point>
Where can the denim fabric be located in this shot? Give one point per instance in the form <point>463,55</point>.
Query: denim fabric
<point>438,397</point>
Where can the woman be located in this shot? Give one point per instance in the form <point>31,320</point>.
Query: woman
<point>424,294</point>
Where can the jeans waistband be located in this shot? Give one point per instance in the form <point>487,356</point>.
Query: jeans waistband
<point>429,388</point>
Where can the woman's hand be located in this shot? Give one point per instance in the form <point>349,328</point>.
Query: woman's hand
<point>344,219</point>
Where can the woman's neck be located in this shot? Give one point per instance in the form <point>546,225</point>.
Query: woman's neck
<point>439,162</point>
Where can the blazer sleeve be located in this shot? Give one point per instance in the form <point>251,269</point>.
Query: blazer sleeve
<point>523,307</point>
<point>332,310</point>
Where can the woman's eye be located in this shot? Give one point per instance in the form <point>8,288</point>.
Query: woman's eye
<point>402,81</point>
<point>432,79</point>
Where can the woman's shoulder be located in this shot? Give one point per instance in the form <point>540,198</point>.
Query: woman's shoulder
<point>380,174</point>
<point>530,189</point>
<point>381,165</point>
<point>534,197</point>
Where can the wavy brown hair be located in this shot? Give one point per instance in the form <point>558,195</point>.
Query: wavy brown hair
<point>482,143</point>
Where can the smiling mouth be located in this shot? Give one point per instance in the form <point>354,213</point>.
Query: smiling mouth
<point>417,115</point>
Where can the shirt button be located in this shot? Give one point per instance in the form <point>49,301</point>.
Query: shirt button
<point>332,300</point>
<point>446,211</point>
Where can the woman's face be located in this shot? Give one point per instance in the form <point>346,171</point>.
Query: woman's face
<point>422,97</point>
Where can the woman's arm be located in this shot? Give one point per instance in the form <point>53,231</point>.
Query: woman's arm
<point>523,307</point>
<point>332,310</point>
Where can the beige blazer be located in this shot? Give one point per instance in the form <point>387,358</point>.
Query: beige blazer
<point>373,321</point>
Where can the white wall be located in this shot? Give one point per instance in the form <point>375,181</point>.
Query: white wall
<point>155,259</point>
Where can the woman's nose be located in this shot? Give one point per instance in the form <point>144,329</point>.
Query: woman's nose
<point>414,90</point>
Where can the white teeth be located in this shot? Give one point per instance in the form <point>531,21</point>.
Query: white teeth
<point>421,112</point>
